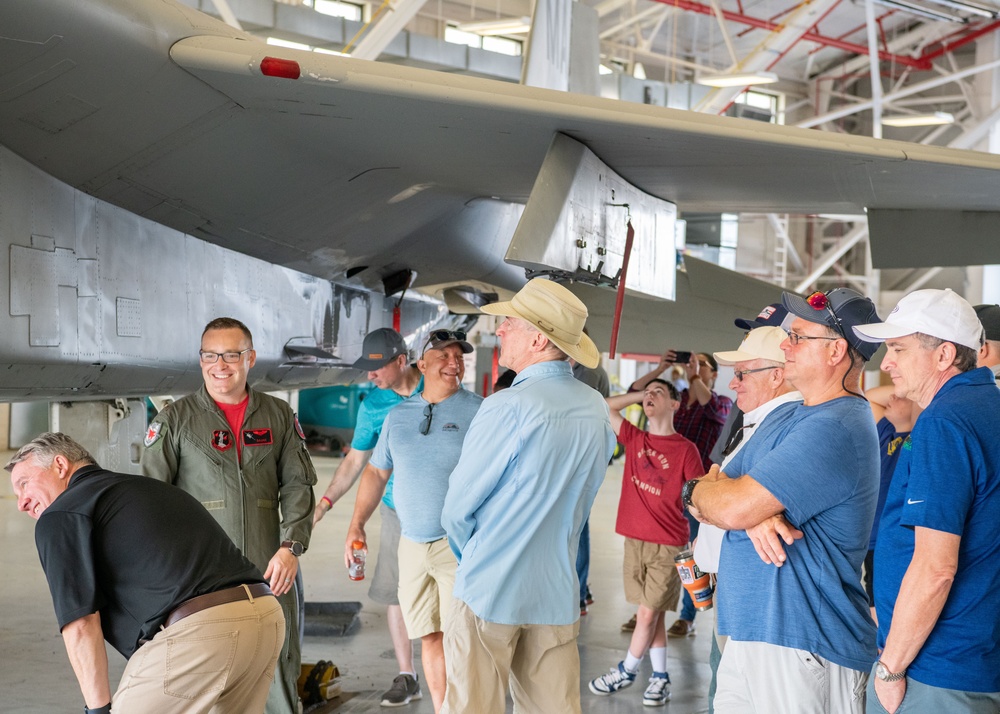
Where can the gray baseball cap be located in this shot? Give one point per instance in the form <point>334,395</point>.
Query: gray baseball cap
<point>381,347</point>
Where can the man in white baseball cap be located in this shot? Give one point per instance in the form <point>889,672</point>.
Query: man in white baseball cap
<point>937,556</point>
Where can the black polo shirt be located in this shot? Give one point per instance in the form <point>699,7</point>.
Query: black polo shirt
<point>133,549</point>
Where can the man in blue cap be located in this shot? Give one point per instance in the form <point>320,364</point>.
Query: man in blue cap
<point>801,638</point>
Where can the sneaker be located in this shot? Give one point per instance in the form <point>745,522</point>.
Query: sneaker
<point>617,678</point>
<point>583,608</point>
<point>629,626</point>
<point>681,628</point>
<point>658,691</point>
<point>589,597</point>
<point>404,689</point>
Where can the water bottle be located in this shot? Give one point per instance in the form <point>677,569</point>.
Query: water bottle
<point>356,571</point>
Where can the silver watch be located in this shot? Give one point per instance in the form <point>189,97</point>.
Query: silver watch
<point>883,673</point>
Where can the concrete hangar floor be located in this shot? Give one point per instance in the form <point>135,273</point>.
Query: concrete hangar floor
<point>36,678</point>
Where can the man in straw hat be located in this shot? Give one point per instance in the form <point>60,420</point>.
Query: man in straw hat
<point>801,639</point>
<point>532,462</point>
<point>937,556</point>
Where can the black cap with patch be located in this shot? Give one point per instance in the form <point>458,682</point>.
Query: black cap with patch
<point>771,316</point>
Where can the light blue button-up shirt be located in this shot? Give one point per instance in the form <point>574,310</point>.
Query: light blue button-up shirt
<point>532,462</point>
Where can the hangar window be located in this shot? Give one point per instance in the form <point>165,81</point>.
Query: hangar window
<point>491,43</point>
<point>762,106</point>
<point>334,8</point>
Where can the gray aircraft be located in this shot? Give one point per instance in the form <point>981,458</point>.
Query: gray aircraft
<point>159,168</point>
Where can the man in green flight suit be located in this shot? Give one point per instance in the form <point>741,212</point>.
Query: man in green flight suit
<point>243,455</point>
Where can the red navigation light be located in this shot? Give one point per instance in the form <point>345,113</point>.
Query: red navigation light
<point>276,67</point>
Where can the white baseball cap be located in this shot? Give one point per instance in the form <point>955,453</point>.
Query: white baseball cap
<point>939,313</point>
<point>761,343</point>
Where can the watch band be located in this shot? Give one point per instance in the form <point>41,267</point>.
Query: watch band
<point>294,546</point>
<point>687,492</point>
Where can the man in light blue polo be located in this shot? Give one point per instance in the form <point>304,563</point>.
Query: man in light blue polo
<point>420,444</point>
<point>531,465</point>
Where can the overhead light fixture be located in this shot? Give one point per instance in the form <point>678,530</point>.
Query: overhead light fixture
<point>920,11</point>
<point>932,119</point>
<point>502,26</point>
<point>961,6</point>
<point>745,79</point>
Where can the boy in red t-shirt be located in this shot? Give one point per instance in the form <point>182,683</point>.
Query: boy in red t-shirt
<point>651,517</point>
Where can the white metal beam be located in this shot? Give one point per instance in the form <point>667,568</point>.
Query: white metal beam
<point>899,94</point>
<point>384,31</point>
<point>833,255</point>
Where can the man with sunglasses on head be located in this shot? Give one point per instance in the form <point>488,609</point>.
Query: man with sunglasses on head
<point>801,639</point>
<point>420,444</point>
<point>385,359</point>
<point>242,454</point>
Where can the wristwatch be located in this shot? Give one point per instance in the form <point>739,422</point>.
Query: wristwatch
<point>883,673</point>
<point>687,490</point>
<point>294,546</point>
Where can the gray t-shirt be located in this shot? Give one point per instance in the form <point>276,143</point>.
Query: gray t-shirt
<point>421,464</point>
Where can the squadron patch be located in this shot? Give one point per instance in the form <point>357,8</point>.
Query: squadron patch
<point>257,437</point>
<point>152,434</point>
<point>222,440</point>
<point>298,428</point>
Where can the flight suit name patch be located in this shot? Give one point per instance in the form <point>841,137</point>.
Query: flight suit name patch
<point>257,437</point>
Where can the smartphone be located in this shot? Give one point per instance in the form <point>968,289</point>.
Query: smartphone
<point>682,357</point>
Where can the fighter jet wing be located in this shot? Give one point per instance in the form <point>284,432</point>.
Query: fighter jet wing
<point>353,170</point>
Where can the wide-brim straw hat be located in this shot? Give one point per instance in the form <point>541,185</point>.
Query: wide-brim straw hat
<point>557,313</point>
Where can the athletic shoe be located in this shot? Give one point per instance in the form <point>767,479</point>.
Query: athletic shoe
<point>583,608</point>
<point>681,628</point>
<point>658,691</point>
<point>404,689</point>
<point>617,678</point>
<point>589,597</point>
<point>629,626</point>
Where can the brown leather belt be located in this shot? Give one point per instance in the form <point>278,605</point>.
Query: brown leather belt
<point>219,597</point>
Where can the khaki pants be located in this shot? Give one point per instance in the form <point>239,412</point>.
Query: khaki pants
<point>540,662</point>
<point>219,660</point>
<point>759,678</point>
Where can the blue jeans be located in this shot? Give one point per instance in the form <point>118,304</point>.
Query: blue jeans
<point>687,604</point>
<point>583,559</point>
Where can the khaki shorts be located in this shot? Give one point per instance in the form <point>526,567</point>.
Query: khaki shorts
<point>539,663</point>
<point>651,578</point>
<point>385,581</point>
<point>426,579</point>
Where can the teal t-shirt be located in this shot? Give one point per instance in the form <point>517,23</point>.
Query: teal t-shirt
<point>371,415</point>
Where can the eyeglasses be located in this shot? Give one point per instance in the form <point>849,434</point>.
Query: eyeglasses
<point>425,425</point>
<point>443,336</point>
<point>741,372</point>
<point>795,338</point>
<point>227,357</point>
